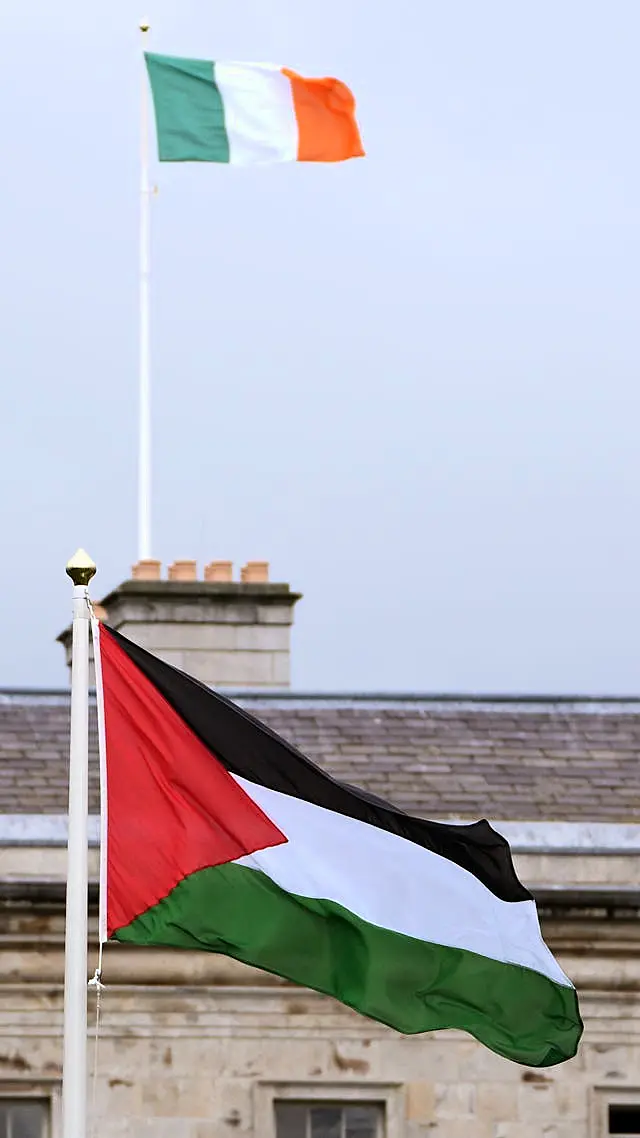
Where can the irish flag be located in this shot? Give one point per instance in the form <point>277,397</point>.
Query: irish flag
<point>249,113</point>
<point>218,835</point>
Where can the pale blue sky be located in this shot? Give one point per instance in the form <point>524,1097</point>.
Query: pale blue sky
<point>411,383</point>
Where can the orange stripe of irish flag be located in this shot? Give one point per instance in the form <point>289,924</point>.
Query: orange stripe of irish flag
<point>326,113</point>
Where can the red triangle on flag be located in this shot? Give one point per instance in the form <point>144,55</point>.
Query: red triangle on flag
<point>172,807</point>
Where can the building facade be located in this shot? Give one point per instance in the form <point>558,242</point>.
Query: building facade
<point>198,1046</point>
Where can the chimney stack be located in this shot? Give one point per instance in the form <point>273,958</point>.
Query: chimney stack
<point>226,633</point>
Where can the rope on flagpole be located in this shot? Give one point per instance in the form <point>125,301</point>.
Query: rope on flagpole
<point>96,982</point>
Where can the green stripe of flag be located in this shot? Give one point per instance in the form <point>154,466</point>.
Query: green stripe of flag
<point>411,985</point>
<point>189,110</point>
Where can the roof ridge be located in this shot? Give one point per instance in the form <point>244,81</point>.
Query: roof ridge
<point>287,696</point>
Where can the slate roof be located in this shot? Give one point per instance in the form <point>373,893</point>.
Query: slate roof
<point>509,759</point>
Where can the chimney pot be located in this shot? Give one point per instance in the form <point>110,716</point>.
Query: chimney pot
<point>219,571</point>
<point>183,571</point>
<point>255,573</point>
<point>146,570</point>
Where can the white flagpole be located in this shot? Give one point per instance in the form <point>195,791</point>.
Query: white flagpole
<point>144,452</point>
<point>74,1072</point>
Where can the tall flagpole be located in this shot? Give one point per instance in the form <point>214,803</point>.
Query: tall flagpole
<point>74,1071</point>
<point>144,444</point>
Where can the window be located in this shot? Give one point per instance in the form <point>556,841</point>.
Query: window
<point>624,1119</point>
<point>328,1120</point>
<point>24,1118</point>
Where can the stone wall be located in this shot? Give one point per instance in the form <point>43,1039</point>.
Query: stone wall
<point>198,1046</point>
<point>190,1062</point>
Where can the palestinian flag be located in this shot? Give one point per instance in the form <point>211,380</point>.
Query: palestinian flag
<point>249,114</point>
<point>219,835</point>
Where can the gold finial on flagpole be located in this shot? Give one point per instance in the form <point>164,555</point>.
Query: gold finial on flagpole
<point>81,568</point>
<point>144,26</point>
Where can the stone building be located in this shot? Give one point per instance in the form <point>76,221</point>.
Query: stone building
<point>198,1046</point>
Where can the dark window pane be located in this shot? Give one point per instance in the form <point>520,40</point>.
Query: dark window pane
<point>326,1121</point>
<point>291,1120</point>
<point>624,1119</point>
<point>361,1121</point>
<point>23,1118</point>
<point>27,1120</point>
